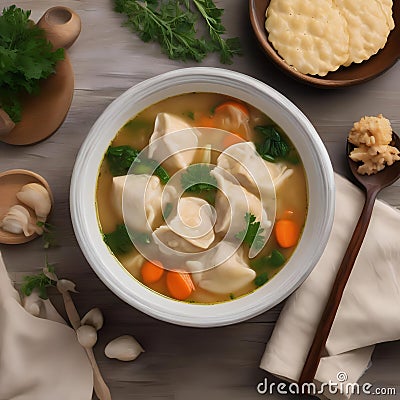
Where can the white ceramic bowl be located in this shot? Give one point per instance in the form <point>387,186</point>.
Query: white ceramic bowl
<point>300,131</point>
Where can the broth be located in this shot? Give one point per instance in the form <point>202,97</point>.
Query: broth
<point>194,109</point>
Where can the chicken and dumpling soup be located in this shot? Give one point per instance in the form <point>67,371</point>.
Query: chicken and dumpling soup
<point>202,198</point>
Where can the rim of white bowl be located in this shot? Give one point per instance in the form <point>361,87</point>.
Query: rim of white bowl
<point>319,174</point>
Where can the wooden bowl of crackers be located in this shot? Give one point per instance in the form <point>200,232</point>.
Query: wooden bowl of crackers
<point>329,43</point>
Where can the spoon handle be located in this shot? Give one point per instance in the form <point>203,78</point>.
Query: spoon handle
<point>321,335</point>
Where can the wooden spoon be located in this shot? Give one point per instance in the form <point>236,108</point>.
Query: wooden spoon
<point>11,182</point>
<point>372,185</point>
<point>43,114</point>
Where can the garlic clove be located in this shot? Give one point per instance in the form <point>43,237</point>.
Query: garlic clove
<point>36,197</point>
<point>93,317</point>
<point>18,221</point>
<point>64,285</point>
<point>124,348</point>
<point>87,336</point>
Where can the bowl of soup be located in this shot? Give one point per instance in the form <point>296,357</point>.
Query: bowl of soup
<point>202,197</point>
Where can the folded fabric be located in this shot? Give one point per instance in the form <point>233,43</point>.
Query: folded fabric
<point>40,359</point>
<point>369,310</point>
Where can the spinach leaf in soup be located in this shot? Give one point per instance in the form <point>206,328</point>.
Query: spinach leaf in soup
<point>273,146</point>
<point>120,242</point>
<point>121,158</point>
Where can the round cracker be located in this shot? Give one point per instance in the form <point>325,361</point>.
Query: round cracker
<point>367,27</point>
<point>387,6</point>
<point>309,35</point>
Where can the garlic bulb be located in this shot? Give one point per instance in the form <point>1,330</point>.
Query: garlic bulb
<point>17,221</point>
<point>94,318</point>
<point>87,336</point>
<point>36,197</point>
<point>124,348</point>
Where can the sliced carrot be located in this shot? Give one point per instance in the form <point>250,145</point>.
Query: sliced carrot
<point>152,271</point>
<point>231,139</point>
<point>231,103</point>
<point>179,284</point>
<point>287,233</point>
<point>205,122</point>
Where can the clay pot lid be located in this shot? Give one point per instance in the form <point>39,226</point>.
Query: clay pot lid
<point>11,182</point>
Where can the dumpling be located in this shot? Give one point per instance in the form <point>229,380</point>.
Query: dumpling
<point>189,230</point>
<point>242,161</point>
<point>280,172</point>
<point>229,272</point>
<point>169,145</point>
<point>194,221</point>
<point>18,221</point>
<point>137,200</point>
<point>232,203</point>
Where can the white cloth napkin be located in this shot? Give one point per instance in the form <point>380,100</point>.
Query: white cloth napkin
<point>369,311</point>
<point>40,359</point>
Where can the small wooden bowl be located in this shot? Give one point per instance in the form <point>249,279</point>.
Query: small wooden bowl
<point>11,182</point>
<point>344,76</point>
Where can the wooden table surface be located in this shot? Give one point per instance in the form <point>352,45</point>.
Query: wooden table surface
<point>179,363</point>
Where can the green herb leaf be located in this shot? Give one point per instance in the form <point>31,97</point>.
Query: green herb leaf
<point>212,16</point>
<point>26,57</point>
<point>261,279</point>
<point>120,159</point>
<point>49,237</point>
<point>167,210</point>
<point>273,146</point>
<point>252,234</point>
<point>197,178</point>
<point>39,281</point>
<point>275,259</point>
<point>119,241</point>
<point>173,24</point>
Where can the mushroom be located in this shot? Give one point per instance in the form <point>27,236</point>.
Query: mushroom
<point>87,336</point>
<point>36,197</point>
<point>94,318</point>
<point>124,348</point>
<point>64,286</point>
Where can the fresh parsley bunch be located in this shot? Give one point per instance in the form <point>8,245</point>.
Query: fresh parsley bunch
<point>26,57</point>
<point>173,24</point>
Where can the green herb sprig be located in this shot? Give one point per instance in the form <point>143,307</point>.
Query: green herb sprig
<point>251,235</point>
<point>173,24</point>
<point>40,281</point>
<point>26,57</point>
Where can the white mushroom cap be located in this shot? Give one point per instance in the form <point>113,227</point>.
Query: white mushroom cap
<point>123,348</point>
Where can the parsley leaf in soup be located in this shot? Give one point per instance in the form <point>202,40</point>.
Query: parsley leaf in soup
<point>251,235</point>
<point>273,146</point>
<point>261,279</point>
<point>197,178</point>
<point>26,57</point>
